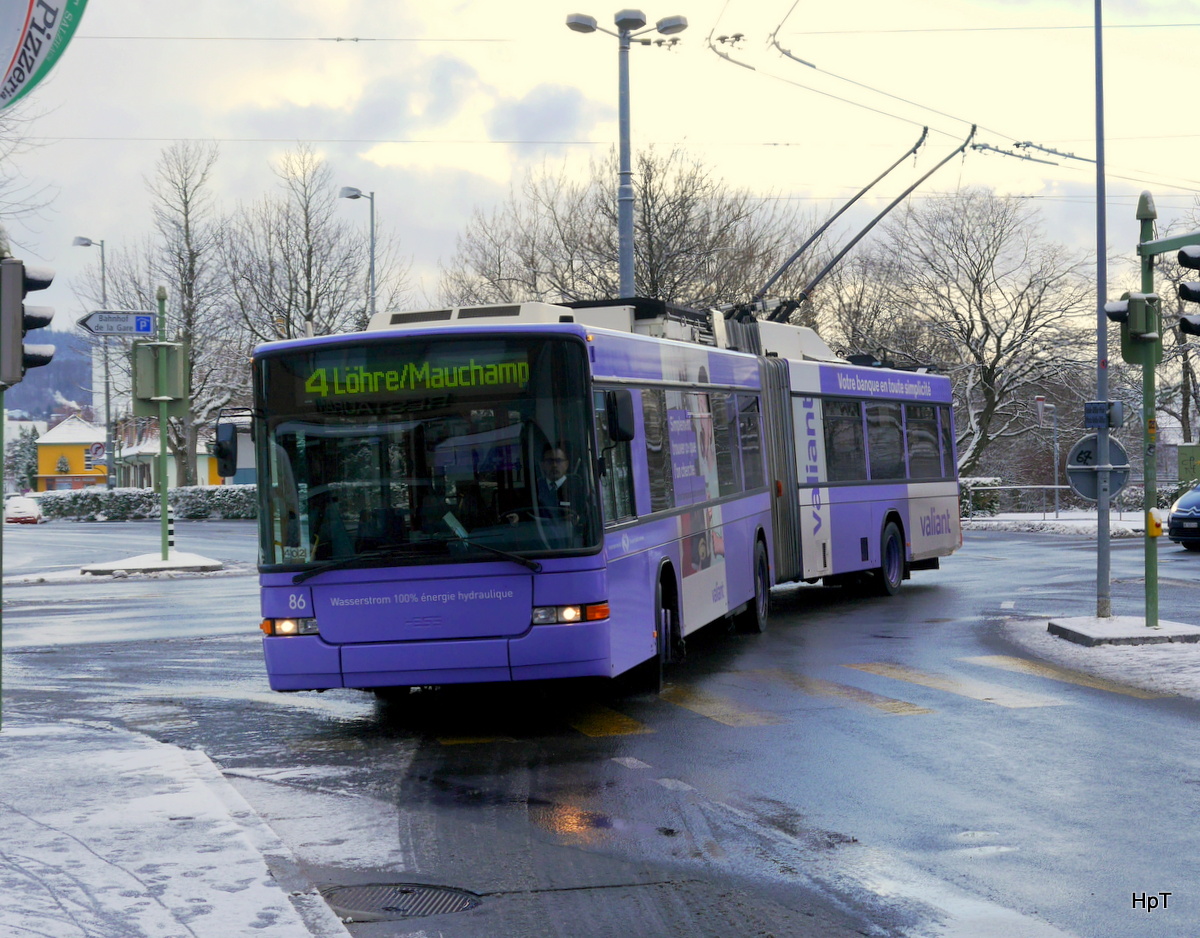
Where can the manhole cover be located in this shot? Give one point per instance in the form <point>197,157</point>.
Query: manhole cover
<point>386,902</point>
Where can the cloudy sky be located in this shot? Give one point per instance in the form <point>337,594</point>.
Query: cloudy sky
<point>439,108</point>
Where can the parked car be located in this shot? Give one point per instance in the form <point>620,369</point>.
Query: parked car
<point>1183,523</point>
<point>20,509</point>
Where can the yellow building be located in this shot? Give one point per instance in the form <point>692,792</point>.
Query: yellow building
<point>71,456</point>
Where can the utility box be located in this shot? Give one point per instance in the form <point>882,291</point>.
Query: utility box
<point>145,378</point>
<point>1189,461</point>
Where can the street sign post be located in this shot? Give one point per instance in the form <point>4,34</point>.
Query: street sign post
<point>1083,467</point>
<point>119,322</point>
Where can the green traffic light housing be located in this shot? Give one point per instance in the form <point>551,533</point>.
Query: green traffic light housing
<point>1139,319</point>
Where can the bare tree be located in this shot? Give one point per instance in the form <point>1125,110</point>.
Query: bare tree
<point>188,262</point>
<point>295,269</point>
<point>697,242</point>
<point>976,290</point>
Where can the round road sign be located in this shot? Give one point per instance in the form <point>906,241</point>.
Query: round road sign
<point>1082,462</point>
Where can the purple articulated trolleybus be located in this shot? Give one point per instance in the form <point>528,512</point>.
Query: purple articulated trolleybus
<point>533,491</point>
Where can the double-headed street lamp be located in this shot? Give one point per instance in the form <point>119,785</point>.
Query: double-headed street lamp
<point>628,23</point>
<point>109,451</point>
<point>349,192</point>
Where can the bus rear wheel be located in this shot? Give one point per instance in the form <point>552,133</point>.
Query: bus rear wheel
<point>753,620</point>
<point>890,574</point>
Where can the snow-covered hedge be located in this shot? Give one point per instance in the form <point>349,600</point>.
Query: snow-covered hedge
<point>979,496</point>
<point>96,503</point>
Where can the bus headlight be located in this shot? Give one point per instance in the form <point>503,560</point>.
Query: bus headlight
<point>556,615</point>
<point>289,626</point>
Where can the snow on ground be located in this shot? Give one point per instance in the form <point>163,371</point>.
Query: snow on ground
<point>1171,668</point>
<point>110,833</point>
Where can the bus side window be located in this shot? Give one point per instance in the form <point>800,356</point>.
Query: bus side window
<point>616,483</point>
<point>845,451</point>
<point>729,467</point>
<point>750,432</point>
<point>885,441</point>
<point>921,429</point>
<point>949,469</point>
<point>658,450</point>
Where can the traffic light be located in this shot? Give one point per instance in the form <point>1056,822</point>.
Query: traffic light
<point>16,280</point>
<point>1189,257</point>
<point>1141,332</point>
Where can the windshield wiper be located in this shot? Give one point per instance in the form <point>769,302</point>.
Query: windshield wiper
<point>516,558</point>
<point>461,533</point>
<point>397,550</point>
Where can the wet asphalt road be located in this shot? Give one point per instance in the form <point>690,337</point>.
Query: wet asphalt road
<point>869,766</point>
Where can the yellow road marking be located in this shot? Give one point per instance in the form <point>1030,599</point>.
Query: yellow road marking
<point>717,708</point>
<point>818,688</point>
<point>976,690</point>
<point>1054,673</point>
<point>601,721</point>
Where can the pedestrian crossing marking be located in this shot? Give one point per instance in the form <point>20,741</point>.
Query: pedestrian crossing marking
<point>975,690</point>
<point>603,721</point>
<point>819,688</point>
<point>717,708</point>
<point>1055,673</point>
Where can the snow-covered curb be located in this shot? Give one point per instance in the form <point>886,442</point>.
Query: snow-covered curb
<point>1079,528</point>
<point>75,575</point>
<point>1170,668</point>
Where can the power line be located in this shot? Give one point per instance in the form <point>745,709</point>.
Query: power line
<point>986,29</point>
<point>78,38</point>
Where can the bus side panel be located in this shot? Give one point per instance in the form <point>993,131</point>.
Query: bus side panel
<point>852,528</point>
<point>635,555</point>
<point>729,582</point>
<point>933,519</point>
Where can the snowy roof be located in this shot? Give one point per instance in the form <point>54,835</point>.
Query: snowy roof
<point>73,430</point>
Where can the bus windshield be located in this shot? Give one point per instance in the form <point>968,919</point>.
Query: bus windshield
<point>425,450</point>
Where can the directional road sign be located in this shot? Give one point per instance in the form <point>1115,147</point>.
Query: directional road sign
<point>119,322</point>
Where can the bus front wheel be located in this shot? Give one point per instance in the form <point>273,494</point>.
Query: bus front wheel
<point>649,677</point>
<point>890,574</point>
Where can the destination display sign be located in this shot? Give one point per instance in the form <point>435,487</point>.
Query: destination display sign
<point>393,377</point>
<point>399,376</point>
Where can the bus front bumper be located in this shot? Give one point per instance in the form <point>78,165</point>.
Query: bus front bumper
<point>308,662</point>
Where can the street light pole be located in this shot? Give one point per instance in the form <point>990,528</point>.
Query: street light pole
<point>625,168</point>
<point>109,449</point>
<point>628,23</point>
<point>349,192</point>
<point>1042,407</point>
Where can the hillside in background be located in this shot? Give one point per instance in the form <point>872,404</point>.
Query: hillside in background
<point>68,376</point>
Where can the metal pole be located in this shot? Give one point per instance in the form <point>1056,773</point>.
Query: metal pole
<point>625,183</point>
<point>1147,214</point>
<point>372,198</point>
<point>109,447</point>
<point>1103,564</point>
<point>1055,462</point>
<point>163,416</point>
<point>2,526</point>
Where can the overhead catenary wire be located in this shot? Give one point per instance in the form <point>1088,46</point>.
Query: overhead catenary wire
<point>772,40</point>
